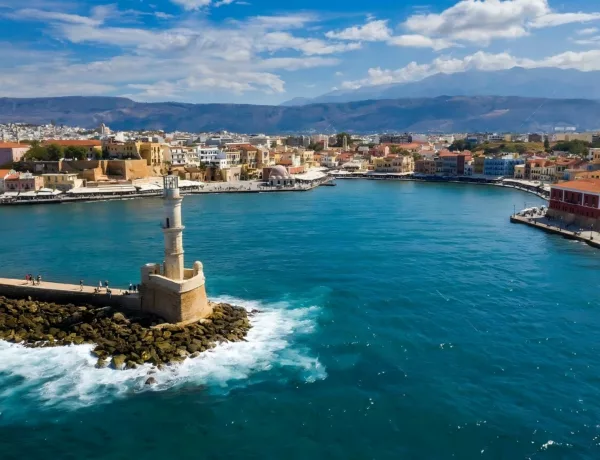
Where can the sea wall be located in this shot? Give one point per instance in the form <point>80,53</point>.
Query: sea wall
<point>67,294</point>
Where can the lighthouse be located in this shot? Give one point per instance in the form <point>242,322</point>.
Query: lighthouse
<point>170,290</point>
<point>172,228</point>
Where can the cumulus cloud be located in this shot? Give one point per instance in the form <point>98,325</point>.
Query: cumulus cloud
<point>371,31</point>
<point>191,5</point>
<point>173,62</point>
<point>584,61</point>
<point>588,31</point>
<point>420,41</point>
<point>481,21</point>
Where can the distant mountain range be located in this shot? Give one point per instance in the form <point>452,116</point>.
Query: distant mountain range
<point>542,82</point>
<point>440,114</point>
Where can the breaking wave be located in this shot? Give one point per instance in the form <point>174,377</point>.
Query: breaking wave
<point>65,377</point>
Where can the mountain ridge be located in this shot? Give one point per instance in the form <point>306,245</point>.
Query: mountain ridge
<point>517,81</point>
<point>439,114</point>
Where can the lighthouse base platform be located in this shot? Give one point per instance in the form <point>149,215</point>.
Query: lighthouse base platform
<point>177,301</point>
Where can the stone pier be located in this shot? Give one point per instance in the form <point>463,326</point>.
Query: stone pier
<point>62,293</point>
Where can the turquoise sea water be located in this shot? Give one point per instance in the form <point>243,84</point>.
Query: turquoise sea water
<point>400,321</point>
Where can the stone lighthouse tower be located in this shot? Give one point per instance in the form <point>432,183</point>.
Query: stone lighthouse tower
<point>170,290</point>
<point>173,229</point>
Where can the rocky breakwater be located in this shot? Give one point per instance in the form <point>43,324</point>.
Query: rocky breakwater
<point>121,341</point>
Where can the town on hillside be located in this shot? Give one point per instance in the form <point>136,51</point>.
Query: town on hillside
<point>58,163</point>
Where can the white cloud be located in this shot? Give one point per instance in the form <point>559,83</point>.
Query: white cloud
<point>274,41</point>
<point>40,15</point>
<point>590,41</point>
<point>420,41</point>
<point>588,31</point>
<point>172,62</point>
<point>191,5</point>
<point>372,31</point>
<point>584,61</point>
<point>558,19</point>
<point>480,21</point>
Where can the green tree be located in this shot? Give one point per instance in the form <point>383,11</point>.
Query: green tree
<point>36,152</point>
<point>75,152</point>
<point>55,152</point>
<point>521,148</point>
<point>546,144</point>
<point>339,138</point>
<point>575,147</point>
<point>105,153</point>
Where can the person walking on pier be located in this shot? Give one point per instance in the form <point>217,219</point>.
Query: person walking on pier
<point>130,287</point>
<point>39,279</point>
<point>81,285</point>
<point>99,286</point>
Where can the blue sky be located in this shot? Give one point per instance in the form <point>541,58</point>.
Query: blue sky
<point>267,51</point>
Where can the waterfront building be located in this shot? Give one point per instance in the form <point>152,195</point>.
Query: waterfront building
<point>3,174</point>
<point>22,182</point>
<point>519,171</point>
<point>452,164</point>
<point>479,165</point>
<point>543,170</point>
<point>63,182</point>
<point>11,152</point>
<point>233,156</point>
<point>330,160</point>
<point>594,154</point>
<point>177,155</point>
<point>121,149</point>
<point>425,166</point>
<point>562,164</point>
<point>504,166</point>
<point>277,176</point>
<point>576,202</point>
<point>395,164</point>
<point>152,152</point>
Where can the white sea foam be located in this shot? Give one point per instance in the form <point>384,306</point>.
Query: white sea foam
<point>66,376</point>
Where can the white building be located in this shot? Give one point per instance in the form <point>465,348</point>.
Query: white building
<point>178,156</point>
<point>206,154</point>
<point>219,161</point>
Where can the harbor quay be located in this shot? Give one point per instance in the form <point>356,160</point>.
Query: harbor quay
<point>542,223</point>
<point>65,293</point>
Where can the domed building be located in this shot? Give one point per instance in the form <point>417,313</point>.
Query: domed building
<point>278,176</point>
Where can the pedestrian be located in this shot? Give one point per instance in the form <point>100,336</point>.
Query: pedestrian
<point>138,288</point>
<point>131,287</point>
<point>81,285</point>
<point>39,279</point>
<point>106,284</point>
<point>109,292</point>
<point>99,286</point>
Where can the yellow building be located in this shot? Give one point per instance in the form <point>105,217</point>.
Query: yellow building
<point>116,149</point>
<point>399,164</point>
<point>62,181</point>
<point>152,152</point>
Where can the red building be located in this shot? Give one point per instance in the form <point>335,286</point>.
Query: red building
<point>576,201</point>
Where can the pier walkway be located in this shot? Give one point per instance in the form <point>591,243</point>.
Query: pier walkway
<point>68,293</point>
<point>542,223</point>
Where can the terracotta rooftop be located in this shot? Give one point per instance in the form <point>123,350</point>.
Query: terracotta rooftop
<point>583,185</point>
<point>4,172</point>
<point>13,145</point>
